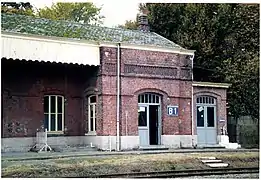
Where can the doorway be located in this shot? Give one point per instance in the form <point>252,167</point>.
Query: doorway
<point>206,120</point>
<point>149,119</point>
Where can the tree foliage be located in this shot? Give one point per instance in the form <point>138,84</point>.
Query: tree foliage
<point>130,24</point>
<point>79,12</point>
<point>226,40</point>
<point>24,8</point>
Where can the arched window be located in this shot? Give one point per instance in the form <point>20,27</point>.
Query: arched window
<point>149,98</point>
<point>54,113</point>
<point>92,101</point>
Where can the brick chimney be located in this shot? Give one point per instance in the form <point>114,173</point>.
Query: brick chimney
<point>143,22</point>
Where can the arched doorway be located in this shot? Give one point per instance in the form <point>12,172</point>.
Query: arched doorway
<point>149,119</point>
<point>206,120</point>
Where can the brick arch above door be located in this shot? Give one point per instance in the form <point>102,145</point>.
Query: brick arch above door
<point>150,90</point>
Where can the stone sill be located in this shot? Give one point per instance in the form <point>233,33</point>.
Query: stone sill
<point>92,133</point>
<point>55,133</point>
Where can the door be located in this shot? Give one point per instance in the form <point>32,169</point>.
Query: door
<point>143,125</point>
<point>206,125</point>
<point>201,125</point>
<point>210,129</point>
<point>154,124</point>
<point>149,119</point>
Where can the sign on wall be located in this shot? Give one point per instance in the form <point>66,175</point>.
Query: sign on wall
<point>172,110</point>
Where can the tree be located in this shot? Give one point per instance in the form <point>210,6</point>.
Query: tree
<point>129,24</point>
<point>24,8</point>
<point>242,67</point>
<point>226,40</point>
<point>78,12</point>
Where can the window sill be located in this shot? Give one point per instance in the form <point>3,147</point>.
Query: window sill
<point>91,133</point>
<point>55,132</point>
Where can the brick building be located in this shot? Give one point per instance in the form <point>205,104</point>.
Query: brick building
<point>112,88</point>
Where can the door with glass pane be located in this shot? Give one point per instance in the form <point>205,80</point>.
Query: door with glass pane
<point>206,121</point>
<point>201,125</point>
<point>143,125</point>
<point>211,129</point>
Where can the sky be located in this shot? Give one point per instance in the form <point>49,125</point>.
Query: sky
<point>116,12</point>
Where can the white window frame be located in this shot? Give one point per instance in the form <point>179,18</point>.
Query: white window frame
<point>149,98</point>
<point>92,106</point>
<point>55,113</point>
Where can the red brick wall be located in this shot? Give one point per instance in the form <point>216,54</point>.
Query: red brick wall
<point>167,74</point>
<point>24,85</point>
<point>155,72</point>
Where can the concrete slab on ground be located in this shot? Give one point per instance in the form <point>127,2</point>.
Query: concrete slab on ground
<point>207,158</point>
<point>217,165</point>
<point>211,161</point>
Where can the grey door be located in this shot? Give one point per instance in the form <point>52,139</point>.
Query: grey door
<point>149,119</point>
<point>143,125</point>
<point>206,121</point>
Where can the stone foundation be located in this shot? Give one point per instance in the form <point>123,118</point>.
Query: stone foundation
<point>100,142</point>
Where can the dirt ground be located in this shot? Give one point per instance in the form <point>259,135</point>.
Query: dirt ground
<point>85,166</point>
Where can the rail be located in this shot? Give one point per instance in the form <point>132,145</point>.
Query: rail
<point>179,173</point>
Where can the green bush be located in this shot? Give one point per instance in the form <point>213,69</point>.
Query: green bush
<point>249,135</point>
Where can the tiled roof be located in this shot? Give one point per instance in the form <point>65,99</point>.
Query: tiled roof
<point>39,26</point>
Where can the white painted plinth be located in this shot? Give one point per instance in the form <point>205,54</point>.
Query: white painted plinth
<point>100,142</point>
<point>224,141</point>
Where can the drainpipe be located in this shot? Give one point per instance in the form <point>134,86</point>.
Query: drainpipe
<point>192,105</point>
<point>118,99</point>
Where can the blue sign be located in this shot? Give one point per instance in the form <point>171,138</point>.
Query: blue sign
<point>173,110</point>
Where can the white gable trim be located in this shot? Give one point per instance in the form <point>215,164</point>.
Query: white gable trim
<point>211,84</point>
<point>49,50</point>
<point>151,48</point>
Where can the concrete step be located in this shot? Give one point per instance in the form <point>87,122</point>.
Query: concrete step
<point>211,161</point>
<point>217,165</point>
<point>153,147</point>
<point>208,158</point>
<point>210,146</point>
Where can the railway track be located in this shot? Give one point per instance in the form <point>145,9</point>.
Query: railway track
<point>180,173</point>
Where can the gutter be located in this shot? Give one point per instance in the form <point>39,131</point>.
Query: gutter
<point>118,99</point>
<point>192,104</point>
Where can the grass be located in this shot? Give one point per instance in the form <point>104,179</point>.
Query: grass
<point>84,166</point>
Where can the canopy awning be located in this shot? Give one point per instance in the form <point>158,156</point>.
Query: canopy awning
<point>49,50</point>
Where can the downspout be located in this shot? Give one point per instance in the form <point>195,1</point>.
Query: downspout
<point>118,99</point>
<point>192,104</point>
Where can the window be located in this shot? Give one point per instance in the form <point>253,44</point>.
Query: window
<point>149,98</point>
<point>142,116</point>
<point>54,113</point>
<point>92,113</point>
<point>206,100</point>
